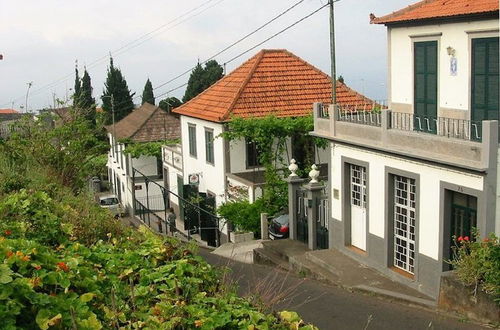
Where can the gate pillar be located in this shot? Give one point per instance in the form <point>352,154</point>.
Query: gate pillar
<point>314,191</point>
<point>294,183</point>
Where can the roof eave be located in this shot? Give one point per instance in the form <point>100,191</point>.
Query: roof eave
<point>441,19</point>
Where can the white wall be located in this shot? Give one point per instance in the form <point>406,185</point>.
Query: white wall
<point>118,165</point>
<point>429,191</point>
<point>453,91</point>
<point>211,176</point>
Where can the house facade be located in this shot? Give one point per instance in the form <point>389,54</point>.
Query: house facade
<point>147,123</point>
<point>405,181</point>
<point>273,82</point>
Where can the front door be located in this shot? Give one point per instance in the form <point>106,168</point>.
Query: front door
<point>405,191</point>
<point>358,206</point>
<point>425,86</point>
<point>484,71</point>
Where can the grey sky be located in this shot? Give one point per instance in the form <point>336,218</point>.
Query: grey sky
<point>40,41</point>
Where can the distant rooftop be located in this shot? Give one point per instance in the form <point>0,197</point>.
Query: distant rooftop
<point>148,123</point>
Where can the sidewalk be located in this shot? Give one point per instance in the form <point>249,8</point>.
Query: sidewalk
<point>336,268</point>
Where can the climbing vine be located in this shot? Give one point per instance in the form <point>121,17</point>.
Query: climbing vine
<point>270,134</point>
<point>138,149</point>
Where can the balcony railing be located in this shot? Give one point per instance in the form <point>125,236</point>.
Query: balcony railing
<point>446,127</point>
<point>372,118</point>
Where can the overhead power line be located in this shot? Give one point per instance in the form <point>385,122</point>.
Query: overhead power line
<point>222,51</point>
<point>255,46</point>
<point>130,45</point>
<point>231,45</point>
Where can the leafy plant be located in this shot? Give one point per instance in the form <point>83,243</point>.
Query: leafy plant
<point>271,135</point>
<point>153,149</point>
<point>245,216</point>
<point>477,263</point>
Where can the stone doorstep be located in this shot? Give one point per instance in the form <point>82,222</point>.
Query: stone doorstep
<point>304,262</point>
<point>371,279</point>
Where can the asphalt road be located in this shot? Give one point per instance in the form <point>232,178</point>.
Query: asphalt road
<point>329,307</point>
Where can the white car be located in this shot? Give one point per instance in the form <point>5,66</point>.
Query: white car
<point>111,203</point>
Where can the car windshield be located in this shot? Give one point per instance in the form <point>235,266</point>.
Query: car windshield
<point>282,219</point>
<point>109,201</point>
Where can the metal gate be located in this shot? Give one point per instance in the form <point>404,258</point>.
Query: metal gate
<point>195,209</point>
<point>322,224</point>
<point>302,226</point>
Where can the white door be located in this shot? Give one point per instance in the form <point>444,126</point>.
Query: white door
<point>358,206</point>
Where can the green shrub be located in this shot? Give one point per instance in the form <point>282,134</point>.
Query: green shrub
<point>477,263</point>
<point>141,281</point>
<point>245,216</point>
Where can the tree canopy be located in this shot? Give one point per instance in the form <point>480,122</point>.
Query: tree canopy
<point>147,94</point>
<point>86,102</point>
<point>116,86</point>
<point>202,77</point>
<point>169,103</point>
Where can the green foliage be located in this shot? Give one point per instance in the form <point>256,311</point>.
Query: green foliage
<point>66,151</point>
<point>147,94</point>
<point>169,103</point>
<point>139,281</point>
<point>245,216</point>
<point>201,78</point>
<point>477,263</point>
<point>116,86</point>
<point>270,135</point>
<point>86,102</point>
<point>139,149</point>
<point>77,88</point>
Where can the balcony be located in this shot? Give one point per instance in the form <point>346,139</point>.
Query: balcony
<point>458,143</point>
<point>172,155</point>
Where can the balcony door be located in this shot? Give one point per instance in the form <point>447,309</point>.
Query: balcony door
<point>484,80</point>
<point>425,86</point>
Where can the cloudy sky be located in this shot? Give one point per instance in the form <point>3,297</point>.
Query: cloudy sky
<point>40,41</point>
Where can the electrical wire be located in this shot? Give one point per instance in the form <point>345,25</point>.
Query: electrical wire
<point>124,48</point>
<point>232,45</point>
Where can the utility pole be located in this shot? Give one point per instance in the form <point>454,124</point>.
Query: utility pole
<point>27,94</point>
<point>113,118</point>
<point>332,54</point>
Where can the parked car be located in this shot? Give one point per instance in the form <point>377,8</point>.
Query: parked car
<point>111,203</point>
<point>278,228</point>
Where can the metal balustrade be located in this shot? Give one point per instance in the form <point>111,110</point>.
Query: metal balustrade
<point>441,126</point>
<point>372,118</point>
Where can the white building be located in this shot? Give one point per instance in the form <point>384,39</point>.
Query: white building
<point>273,82</point>
<point>147,123</point>
<point>401,188</point>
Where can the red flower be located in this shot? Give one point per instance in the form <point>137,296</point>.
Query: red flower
<point>62,266</point>
<point>466,238</point>
<point>460,238</point>
<point>8,232</point>
<point>486,240</point>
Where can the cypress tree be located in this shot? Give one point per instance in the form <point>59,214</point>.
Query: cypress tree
<point>87,102</point>
<point>147,94</point>
<point>202,78</point>
<point>77,91</point>
<point>123,99</point>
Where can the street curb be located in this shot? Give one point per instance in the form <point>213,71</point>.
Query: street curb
<point>395,296</point>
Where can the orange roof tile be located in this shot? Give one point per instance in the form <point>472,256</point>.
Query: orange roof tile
<point>8,111</point>
<point>273,82</point>
<point>432,9</point>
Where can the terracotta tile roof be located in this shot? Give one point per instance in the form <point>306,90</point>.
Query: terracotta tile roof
<point>8,111</point>
<point>432,9</point>
<point>271,82</point>
<point>147,123</point>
